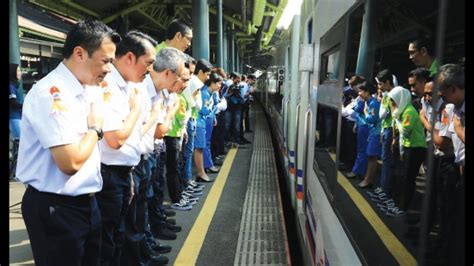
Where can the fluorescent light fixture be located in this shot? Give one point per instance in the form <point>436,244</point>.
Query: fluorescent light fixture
<point>290,11</point>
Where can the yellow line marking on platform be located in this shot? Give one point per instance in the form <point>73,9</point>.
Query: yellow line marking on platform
<point>398,250</point>
<point>192,246</point>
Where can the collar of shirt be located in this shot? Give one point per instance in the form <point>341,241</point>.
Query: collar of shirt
<point>74,86</point>
<point>117,77</point>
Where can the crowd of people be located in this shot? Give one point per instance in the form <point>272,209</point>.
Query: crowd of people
<point>395,125</point>
<point>118,121</point>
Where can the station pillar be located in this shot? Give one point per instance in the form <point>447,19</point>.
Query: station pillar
<point>200,21</point>
<point>232,50</point>
<point>219,56</point>
<point>366,56</point>
<point>14,42</point>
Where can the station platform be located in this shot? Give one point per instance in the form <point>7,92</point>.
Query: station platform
<point>237,221</point>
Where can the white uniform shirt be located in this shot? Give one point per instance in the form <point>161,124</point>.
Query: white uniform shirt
<point>429,111</point>
<point>116,110</point>
<point>459,147</point>
<point>150,98</point>
<point>194,84</point>
<point>55,113</point>
<point>442,125</point>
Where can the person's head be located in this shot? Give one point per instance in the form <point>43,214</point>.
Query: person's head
<point>251,79</point>
<point>179,35</point>
<point>182,82</point>
<point>428,90</point>
<point>235,77</point>
<point>135,56</point>
<point>417,79</point>
<point>399,99</point>
<point>420,51</point>
<point>203,69</point>
<point>220,71</point>
<point>190,63</point>
<point>384,80</point>
<point>365,90</point>
<point>167,68</point>
<point>214,82</point>
<point>89,50</point>
<point>354,80</point>
<point>15,73</point>
<point>243,78</point>
<point>451,84</point>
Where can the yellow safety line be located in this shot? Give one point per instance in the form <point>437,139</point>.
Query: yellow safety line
<point>398,250</point>
<point>192,246</point>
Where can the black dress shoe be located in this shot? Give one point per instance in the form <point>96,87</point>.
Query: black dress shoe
<point>351,175</point>
<point>171,221</point>
<point>365,186</point>
<point>170,213</point>
<point>162,249</point>
<point>218,162</point>
<point>173,228</point>
<point>157,260</point>
<point>164,233</point>
<point>200,179</point>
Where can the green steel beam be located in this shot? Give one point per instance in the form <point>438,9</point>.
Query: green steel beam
<point>58,8</point>
<point>41,34</point>
<point>127,10</point>
<point>275,20</point>
<point>233,20</point>
<point>269,14</point>
<point>80,8</point>
<point>258,10</point>
<point>269,5</point>
<point>157,23</point>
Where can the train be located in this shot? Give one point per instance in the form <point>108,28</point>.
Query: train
<point>327,42</point>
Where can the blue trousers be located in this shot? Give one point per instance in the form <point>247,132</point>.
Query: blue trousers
<point>156,190</point>
<point>360,165</point>
<point>207,157</point>
<point>188,150</point>
<point>385,178</point>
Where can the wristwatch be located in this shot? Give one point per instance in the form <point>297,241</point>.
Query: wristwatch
<point>99,132</point>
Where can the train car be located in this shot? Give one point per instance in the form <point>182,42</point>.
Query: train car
<point>301,93</point>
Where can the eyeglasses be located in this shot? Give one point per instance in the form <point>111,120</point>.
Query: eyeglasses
<point>188,38</point>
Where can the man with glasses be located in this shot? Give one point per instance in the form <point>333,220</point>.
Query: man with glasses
<point>178,35</point>
<point>421,53</point>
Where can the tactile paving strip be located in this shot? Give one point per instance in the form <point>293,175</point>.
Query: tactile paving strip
<point>262,239</point>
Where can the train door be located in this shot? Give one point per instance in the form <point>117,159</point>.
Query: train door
<point>328,125</point>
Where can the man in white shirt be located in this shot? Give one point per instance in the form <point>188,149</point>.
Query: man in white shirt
<point>59,157</point>
<point>120,149</point>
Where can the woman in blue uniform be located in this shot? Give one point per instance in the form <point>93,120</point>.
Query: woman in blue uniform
<point>212,84</point>
<point>371,116</point>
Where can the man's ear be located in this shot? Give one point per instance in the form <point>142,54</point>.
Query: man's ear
<point>423,51</point>
<point>79,53</point>
<point>178,35</point>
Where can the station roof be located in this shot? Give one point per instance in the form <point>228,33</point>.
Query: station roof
<point>254,21</point>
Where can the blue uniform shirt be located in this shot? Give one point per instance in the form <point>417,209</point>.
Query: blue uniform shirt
<point>15,112</point>
<point>207,106</point>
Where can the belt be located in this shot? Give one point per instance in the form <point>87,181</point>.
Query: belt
<point>118,168</point>
<point>83,199</point>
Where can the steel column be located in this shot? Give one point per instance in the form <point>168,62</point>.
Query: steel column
<point>219,55</point>
<point>200,20</point>
<point>366,55</point>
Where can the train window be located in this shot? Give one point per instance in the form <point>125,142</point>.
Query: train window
<point>330,65</point>
<point>310,31</point>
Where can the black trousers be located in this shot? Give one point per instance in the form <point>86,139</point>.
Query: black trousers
<point>113,201</point>
<point>218,136</point>
<point>135,217</point>
<point>63,230</point>
<point>173,180</point>
<point>412,159</point>
<point>244,119</point>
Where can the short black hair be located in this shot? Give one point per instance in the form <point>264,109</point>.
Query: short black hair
<point>366,86</point>
<point>423,40</point>
<point>234,75</point>
<point>177,26</point>
<point>89,35</point>
<point>252,77</point>
<point>133,41</point>
<point>385,75</point>
<point>213,78</point>
<point>420,73</point>
<point>453,76</point>
<point>204,65</point>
